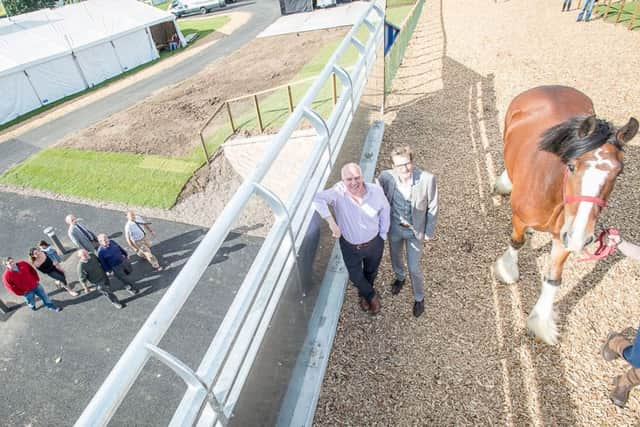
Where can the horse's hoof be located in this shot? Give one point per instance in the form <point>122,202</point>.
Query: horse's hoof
<point>506,273</point>
<point>503,185</point>
<point>544,330</point>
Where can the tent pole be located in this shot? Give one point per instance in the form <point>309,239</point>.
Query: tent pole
<point>33,87</point>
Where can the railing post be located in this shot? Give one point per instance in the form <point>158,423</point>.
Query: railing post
<point>635,14</point>
<point>621,3</point>
<point>255,101</point>
<point>204,148</point>
<point>334,90</point>
<point>606,12</point>
<point>233,126</point>
<point>290,99</point>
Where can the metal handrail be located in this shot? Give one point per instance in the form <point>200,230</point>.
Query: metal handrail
<point>226,362</point>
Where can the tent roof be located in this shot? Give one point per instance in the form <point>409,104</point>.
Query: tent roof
<point>48,33</point>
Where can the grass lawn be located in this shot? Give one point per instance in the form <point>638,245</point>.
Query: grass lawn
<point>627,13</point>
<point>396,15</point>
<point>203,26</point>
<point>163,6</point>
<point>395,3</point>
<point>156,181</point>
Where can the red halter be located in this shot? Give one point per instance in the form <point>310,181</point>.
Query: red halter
<point>604,248</point>
<point>579,198</point>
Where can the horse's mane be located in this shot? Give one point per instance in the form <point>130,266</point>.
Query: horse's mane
<point>564,140</point>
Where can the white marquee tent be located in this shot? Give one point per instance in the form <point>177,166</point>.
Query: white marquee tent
<point>52,53</point>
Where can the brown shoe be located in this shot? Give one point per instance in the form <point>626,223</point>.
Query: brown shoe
<point>614,346</point>
<point>375,305</point>
<point>364,304</point>
<point>623,385</point>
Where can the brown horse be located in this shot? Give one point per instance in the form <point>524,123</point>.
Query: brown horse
<point>561,164</point>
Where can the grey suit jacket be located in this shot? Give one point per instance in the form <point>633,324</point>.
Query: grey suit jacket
<point>80,240</point>
<point>424,199</point>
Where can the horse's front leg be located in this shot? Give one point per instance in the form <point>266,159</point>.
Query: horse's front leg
<point>506,267</point>
<point>542,318</point>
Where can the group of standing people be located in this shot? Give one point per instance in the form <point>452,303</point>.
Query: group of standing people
<point>99,259</point>
<point>402,209</point>
<point>585,10</point>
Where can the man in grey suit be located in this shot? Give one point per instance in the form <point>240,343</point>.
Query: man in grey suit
<point>80,235</point>
<point>413,196</point>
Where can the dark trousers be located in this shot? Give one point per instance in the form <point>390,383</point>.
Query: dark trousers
<point>105,289</point>
<point>362,264</point>
<point>58,275</point>
<point>119,272</point>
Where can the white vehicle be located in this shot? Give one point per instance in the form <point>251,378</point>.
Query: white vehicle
<point>186,7</point>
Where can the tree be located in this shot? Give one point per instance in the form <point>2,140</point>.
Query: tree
<point>16,7</point>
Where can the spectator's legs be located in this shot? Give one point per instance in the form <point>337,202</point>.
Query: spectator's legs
<point>353,259</point>
<point>105,289</point>
<point>59,276</point>
<point>632,353</point>
<point>39,290</point>
<point>30,298</point>
<point>414,253</point>
<point>395,251</point>
<point>144,248</point>
<point>118,271</point>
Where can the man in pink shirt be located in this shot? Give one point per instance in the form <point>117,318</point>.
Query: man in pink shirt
<point>21,279</point>
<point>361,224</point>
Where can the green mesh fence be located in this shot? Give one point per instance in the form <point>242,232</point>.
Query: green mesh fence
<point>396,53</point>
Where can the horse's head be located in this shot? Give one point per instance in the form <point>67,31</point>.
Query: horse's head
<point>591,149</point>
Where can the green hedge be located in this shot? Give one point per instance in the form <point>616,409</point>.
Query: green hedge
<point>396,53</point>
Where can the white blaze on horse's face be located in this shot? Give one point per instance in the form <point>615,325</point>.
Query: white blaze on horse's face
<point>595,175</point>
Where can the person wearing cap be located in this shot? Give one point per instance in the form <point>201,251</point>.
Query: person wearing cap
<point>361,224</point>
<point>413,196</point>
<point>22,279</point>
<point>617,346</point>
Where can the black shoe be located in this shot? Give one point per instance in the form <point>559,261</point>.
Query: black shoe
<point>418,308</point>
<point>117,305</point>
<point>132,290</point>
<point>396,287</point>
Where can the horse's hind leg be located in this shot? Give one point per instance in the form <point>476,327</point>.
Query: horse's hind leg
<point>542,318</point>
<point>503,184</point>
<point>506,267</point>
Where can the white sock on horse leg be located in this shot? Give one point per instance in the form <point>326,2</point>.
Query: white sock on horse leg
<point>506,267</point>
<point>503,184</point>
<point>542,318</point>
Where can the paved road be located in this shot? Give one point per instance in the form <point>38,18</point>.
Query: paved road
<point>51,364</point>
<point>263,13</point>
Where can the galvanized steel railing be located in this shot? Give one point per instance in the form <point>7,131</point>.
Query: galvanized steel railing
<point>214,387</point>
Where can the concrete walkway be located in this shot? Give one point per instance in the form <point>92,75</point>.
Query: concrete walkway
<point>338,16</point>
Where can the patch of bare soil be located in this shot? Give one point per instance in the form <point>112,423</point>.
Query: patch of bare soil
<point>168,123</point>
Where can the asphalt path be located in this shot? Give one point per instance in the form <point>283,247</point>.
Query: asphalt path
<point>51,364</point>
<point>15,150</point>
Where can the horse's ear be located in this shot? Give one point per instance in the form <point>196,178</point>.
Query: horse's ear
<point>628,131</point>
<point>587,126</point>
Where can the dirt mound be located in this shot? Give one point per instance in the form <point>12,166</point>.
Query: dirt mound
<point>168,122</point>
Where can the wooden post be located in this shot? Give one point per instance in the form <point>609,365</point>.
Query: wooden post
<point>255,101</point>
<point>290,99</point>
<point>204,148</point>
<point>233,126</point>
<point>635,14</point>
<point>620,11</point>
<point>334,90</point>
<point>606,12</point>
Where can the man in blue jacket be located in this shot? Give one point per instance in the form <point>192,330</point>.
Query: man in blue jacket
<point>115,261</point>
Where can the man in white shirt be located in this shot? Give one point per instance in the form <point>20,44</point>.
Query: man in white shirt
<point>136,231</point>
